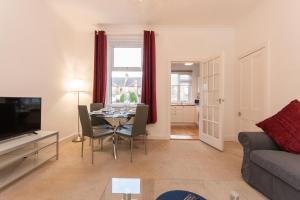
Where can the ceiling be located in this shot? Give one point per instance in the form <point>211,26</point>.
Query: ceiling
<point>152,12</point>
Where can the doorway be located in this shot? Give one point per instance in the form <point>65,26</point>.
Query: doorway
<point>185,97</point>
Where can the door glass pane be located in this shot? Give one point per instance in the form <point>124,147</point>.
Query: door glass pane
<point>210,128</point>
<point>205,71</point>
<point>210,113</point>
<point>216,98</point>
<point>216,67</point>
<point>211,98</point>
<point>205,98</point>
<point>205,84</point>
<point>216,114</point>
<point>216,130</point>
<point>210,69</point>
<point>210,83</point>
<point>216,81</point>
<point>205,112</point>
<point>204,126</point>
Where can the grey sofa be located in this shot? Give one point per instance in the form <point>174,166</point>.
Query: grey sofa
<point>265,167</point>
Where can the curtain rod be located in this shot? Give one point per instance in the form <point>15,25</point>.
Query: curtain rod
<point>127,34</point>
<point>120,34</point>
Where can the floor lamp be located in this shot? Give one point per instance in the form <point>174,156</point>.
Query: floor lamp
<point>77,86</point>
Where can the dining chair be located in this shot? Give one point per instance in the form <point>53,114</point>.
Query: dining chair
<point>129,122</point>
<point>138,128</point>
<point>97,121</point>
<point>89,131</point>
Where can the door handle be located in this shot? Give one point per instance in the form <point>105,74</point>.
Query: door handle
<point>220,100</point>
<point>239,114</point>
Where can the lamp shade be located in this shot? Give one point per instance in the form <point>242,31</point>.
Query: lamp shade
<point>77,85</point>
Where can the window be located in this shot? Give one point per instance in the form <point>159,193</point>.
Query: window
<point>125,71</point>
<point>181,87</point>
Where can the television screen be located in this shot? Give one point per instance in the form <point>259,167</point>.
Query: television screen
<point>19,115</point>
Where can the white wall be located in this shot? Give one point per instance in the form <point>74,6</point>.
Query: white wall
<point>39,54</point>
<point>275,22</point>
<point>181,44</point>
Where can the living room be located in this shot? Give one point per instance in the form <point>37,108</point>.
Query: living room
<point>45,45</point>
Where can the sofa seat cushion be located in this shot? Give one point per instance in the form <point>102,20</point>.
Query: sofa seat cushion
<point>281,164</point>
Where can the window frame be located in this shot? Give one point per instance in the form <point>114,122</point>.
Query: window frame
<point>121,42</point>
<point>179,101</point>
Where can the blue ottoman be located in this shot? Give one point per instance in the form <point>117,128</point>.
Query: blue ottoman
<point>179,195</point>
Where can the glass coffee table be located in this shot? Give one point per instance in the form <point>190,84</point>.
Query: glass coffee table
<point>150,189</point>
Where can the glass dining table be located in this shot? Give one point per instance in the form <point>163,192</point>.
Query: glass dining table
<point>115,117</point>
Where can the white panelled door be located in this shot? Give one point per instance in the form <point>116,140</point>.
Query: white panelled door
<point>212,94</point>
<point>252,89</point>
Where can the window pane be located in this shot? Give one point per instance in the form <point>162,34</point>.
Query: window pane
<point>127,57</point>
<point>184,93</point>
<point>174,79</point>
<point>126,86</point>
<point>185,77</point>
<point>181,87</point>
<point>174,94</point>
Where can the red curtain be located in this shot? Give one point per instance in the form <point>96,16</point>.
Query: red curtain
<point>149,76</point>
<point>100,67</point>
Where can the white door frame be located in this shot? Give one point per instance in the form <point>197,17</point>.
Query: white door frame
<point>170,61</point>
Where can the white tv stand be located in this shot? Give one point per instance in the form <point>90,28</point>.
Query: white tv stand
<point>19,156</point>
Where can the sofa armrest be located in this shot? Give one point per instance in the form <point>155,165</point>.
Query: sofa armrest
<point>254,141</point>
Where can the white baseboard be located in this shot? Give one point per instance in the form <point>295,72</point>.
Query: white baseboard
<point>158,137</point>
<point>230,138</point>
<point>67,138</point>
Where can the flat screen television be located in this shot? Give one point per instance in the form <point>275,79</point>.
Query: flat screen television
<point>19,115</point>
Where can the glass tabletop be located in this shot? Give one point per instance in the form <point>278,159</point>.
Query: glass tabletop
<point>150,189</point>
<point>112,114</point>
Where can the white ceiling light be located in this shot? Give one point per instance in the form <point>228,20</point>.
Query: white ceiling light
<point>188,63</point>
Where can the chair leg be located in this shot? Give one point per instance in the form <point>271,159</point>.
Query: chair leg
<point>101,141</point>
<point>82,148</point>
<point>145,143</point>
<point>131,148</point>
<point>92,142</point>
<point>114,147</point>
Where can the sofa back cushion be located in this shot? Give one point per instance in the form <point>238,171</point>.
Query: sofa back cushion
<point>284,127</point>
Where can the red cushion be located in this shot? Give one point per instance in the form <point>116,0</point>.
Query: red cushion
<point>284,127</point>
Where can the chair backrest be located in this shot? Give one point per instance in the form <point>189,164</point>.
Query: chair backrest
<point>140,120</point>
<point>85,121</point>
<point>96,106</point>
<point>96,121</point>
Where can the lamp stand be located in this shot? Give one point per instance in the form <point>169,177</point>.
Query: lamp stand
<point>78,137</point>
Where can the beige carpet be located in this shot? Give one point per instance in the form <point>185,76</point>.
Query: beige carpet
<point>74,178</point>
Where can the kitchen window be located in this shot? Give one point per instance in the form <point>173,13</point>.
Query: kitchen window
<point>181,87</point>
